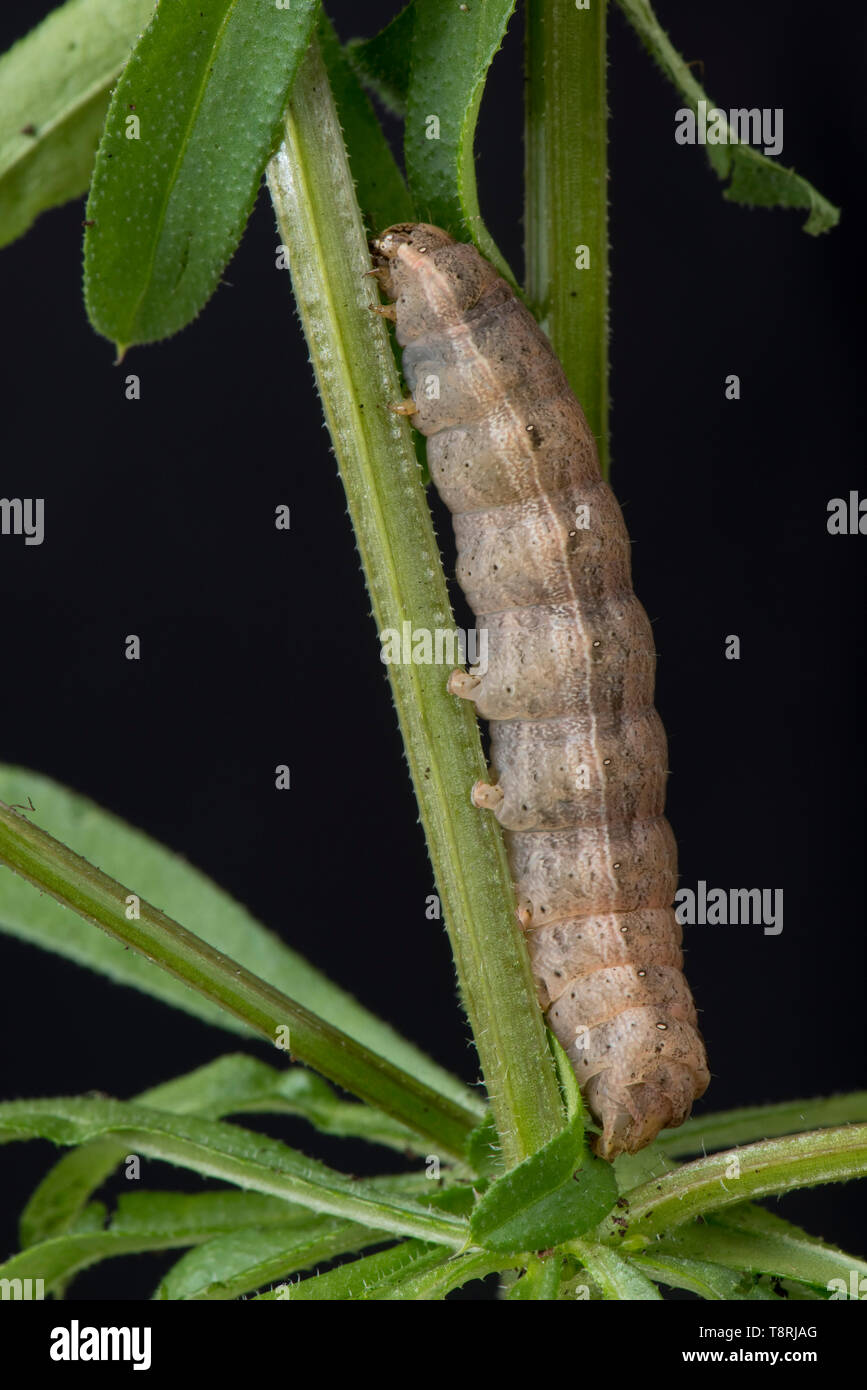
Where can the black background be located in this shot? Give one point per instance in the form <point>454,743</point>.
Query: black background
<point>258,647</point>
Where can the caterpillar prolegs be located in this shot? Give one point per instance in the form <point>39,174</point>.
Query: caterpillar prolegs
<point>579,750</point>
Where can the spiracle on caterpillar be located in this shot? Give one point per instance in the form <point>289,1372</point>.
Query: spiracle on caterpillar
<point>578,752</point>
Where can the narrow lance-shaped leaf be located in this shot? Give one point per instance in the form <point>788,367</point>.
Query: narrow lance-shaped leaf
<point>233,1085</point>
<point>452,49</point>
<point>802,1293</point>
<point>541,1282</point>
<point>708,1133</point>
<point>704,1133</point>
<point>755,180</point>
<point>745,1236</point>
<point>55,86</point>
<point>368,1278</point>
<point>235,1155</point>
<point>616,1277</point>
<point>231,1266</point>
<point>192,123</point>
<point>383,62</point>
<point>188,896</point>
<point>724,1179</point>
<point>165,1220</point>
<point>709,1281</point>
<point>53,868</point>
<point>382,193</point>
<point>426,1285</point>
<point>761,1242</point>
<point>57,1261</point>
<point>213,1091</point>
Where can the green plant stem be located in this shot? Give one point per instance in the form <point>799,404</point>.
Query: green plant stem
<point>318,218</point>
<point>744,1126</point>
<point>648,28</point>
<point>567,195</point>
<point>72,881</point>
<point>738,1175</point>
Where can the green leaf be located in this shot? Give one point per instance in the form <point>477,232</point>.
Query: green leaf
<point>410,1272</point>
<point>235,1155</point>
<point>641,1167</point>
<point>232,1265</point>
<point>707,1280</point>
<point>616,1277</point>
<point>55,869</point>
<point>569,1089</point>
<point>710,1133</point>
<point>705,1133</point>
<point>752,1239</point>
<point>755,180</point>
<point>150,1221</point>
<point>201,1215</point>
<point>59,1260</point>
<point>192,123</point>
<point>382,193</point>
<point>425,1284</point>
<point>452,49</point>
<point>368,1278</point>
<point>213,1091</point>
<point>484,1154</point>
<point>249,1086</point>
<point>232,1085</point>
<point>382,63</point>
<point>540,1282</point>
<point>544,1201</point>
<point>801,1292</point>
<point>55,85</point>
<point>190,897</point>
<point>728,1178</point>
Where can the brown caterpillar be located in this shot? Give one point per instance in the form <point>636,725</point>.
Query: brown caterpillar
<point>579,750</point>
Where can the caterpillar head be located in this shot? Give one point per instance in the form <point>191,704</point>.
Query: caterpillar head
<point>433,280</point>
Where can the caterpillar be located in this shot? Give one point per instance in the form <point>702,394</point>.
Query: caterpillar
<point>578,753</point>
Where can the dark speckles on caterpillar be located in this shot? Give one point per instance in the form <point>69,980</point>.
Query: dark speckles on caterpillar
<point>580,753</point>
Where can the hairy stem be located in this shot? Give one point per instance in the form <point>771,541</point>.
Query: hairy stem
<point>54,869</point>
<point>738,1175</point>
<point>317,213</point>
<point>567,196</point>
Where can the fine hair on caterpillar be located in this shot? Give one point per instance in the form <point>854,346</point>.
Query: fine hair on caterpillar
<point>578,752</point>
